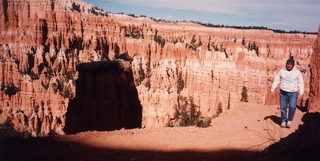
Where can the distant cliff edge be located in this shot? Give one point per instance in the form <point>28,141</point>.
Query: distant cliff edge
<point>175,66</point>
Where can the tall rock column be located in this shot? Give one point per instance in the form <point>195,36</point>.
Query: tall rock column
<point>314,104</point>
<point>106,98</point>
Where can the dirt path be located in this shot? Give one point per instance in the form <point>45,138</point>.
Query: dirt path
<point>236,133</point>
<point>248,127</point>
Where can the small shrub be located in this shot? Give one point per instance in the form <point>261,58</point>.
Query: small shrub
<point>219,109</point>
<point>7,130</point>
<point>116,50</point>
<point>254,47</point>
<point>180,82</point>
<point>11,90</point>
<point>188,115</point>
<point>55,87</point>
<point>168,90</point>
<point>148,84</point>
<point>157,38</point>
<point>193,46</point>
<point>67,94</point>
<point>170,124</point>
<point>33,75</point>
<point>243,42</point>
<point>244,95</point>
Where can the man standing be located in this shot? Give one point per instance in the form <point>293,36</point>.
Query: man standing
<point>291,81</point>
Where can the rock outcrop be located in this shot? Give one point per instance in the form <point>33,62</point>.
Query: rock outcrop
<point>106,99</point>
<point>43,41</point>
<point>314,104</point>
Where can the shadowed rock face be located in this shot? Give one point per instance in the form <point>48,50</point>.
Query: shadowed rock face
<point>106,99</point>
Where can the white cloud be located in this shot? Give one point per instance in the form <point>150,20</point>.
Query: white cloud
<point>286,12</point>
<point>230,6</point>
<point>169,18</point>
<point>193,5</point>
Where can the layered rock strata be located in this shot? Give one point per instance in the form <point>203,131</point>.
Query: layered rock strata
<point>43,41</point>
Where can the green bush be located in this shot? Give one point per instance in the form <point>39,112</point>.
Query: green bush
<point>116,50</point>
<point>7,130</point>
<point>157,38</point>
<point>188,115</point>
<point>180,82</point>
<point>11,90</point>
<point>219,110</point>
<point>148,83</point>
<point>244,95</point>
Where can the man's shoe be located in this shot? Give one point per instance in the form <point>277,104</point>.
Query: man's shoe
<point>289,124</point>
<point>283,124</point>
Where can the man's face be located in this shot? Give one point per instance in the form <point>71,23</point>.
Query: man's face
<point>289,67</point>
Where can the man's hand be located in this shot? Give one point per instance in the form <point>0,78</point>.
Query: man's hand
<point>272,93</point>
<point>300,96</point>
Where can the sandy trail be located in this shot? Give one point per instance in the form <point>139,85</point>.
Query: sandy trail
<point>237,134</point>
<point>247,127</point>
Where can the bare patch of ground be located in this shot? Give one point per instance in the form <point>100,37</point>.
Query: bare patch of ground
<point>240,133</point>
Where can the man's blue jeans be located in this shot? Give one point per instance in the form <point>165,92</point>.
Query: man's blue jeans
<point>288,100</point>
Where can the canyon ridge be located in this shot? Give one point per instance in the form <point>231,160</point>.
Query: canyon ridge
<point>169,67</point>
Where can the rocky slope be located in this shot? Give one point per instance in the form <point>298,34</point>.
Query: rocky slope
<point>175,65</point>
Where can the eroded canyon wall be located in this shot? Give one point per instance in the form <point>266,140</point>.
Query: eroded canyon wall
<point>314,104</point>
<point>43,41</point>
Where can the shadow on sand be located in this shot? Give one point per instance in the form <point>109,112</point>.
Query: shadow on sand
<point>277,119</point>
<point>303,144</point>
<point>274,118</point>
<point>53,149</point>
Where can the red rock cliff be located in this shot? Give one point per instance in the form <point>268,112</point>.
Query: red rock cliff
<point>43,41</point>
<point>314,105</point>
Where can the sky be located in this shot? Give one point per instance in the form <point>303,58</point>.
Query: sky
<point>287,15</point>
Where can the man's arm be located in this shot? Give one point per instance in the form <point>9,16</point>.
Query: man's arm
<point>300,84</point>
<point>275,83</point>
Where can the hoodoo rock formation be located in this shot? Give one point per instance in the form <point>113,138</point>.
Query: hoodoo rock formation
<point>43,41</point>
<point>106,99</point>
